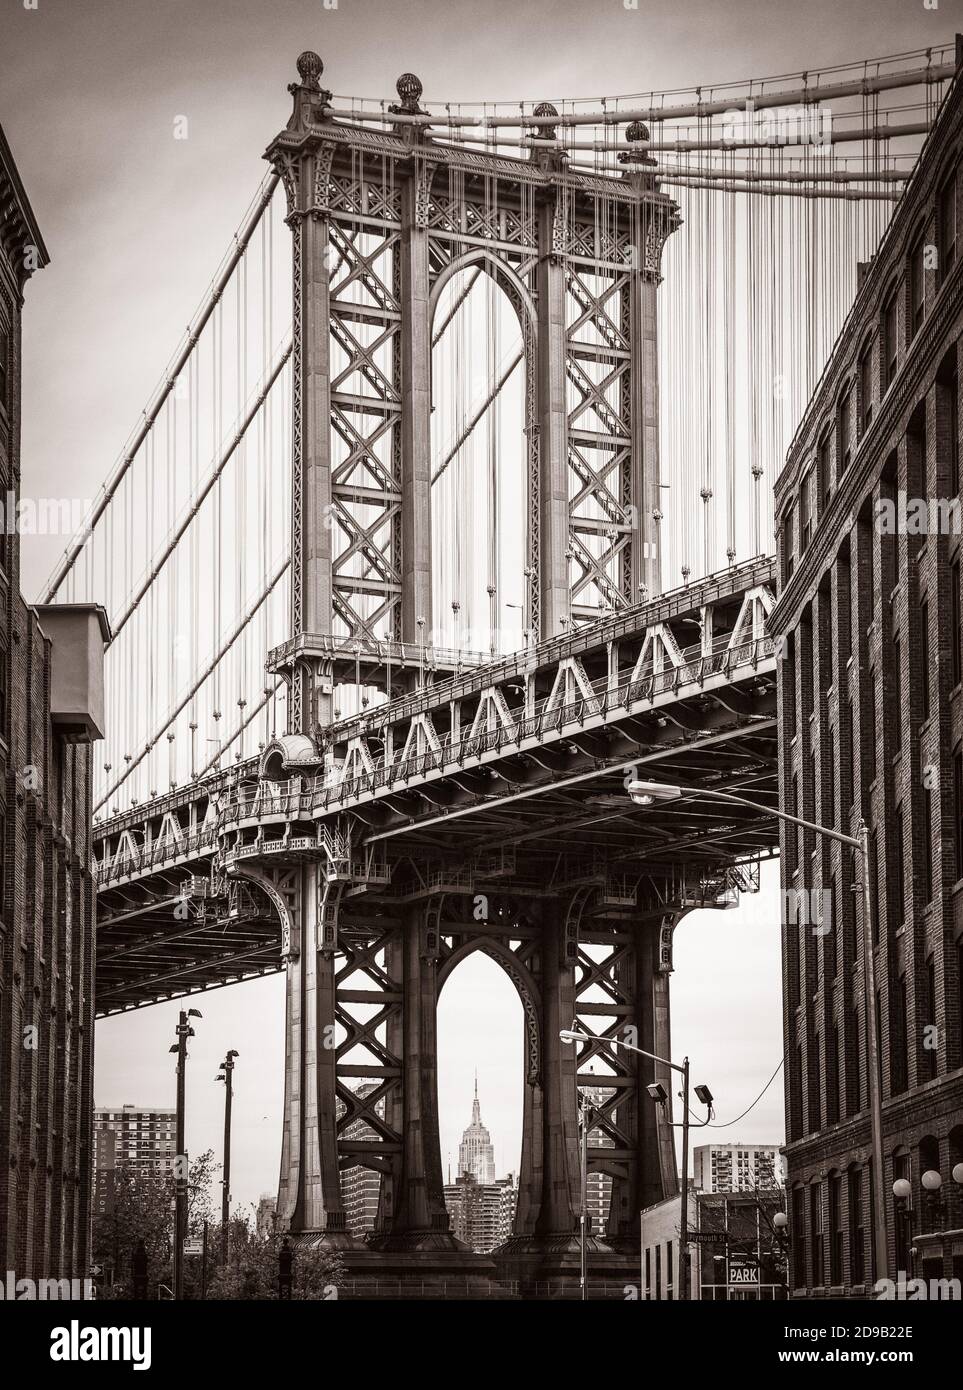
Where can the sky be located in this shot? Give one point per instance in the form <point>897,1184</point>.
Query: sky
<point>136,221</point>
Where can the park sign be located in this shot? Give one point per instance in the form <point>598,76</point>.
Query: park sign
<point>743,1270</point>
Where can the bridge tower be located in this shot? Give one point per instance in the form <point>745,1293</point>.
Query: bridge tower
<point>381,219</point>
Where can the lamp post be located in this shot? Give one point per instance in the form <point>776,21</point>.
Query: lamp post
<point>226,1074</point>
<point>659,1094</point>
<point>903,1193</point>
<point>647,793</point>
<point>585,1112</point>
<point>938,1217</point>
<point>780,1223</point>
<point>183,1031</point>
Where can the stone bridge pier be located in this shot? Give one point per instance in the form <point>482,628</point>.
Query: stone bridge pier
<point>363,984</point>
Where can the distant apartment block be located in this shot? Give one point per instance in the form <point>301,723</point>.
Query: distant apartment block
<point>737,1167</point>
<point>140,1140</point>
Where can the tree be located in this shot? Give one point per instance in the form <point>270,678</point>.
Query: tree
<point>141,1207</point>
<point>252,1269</point>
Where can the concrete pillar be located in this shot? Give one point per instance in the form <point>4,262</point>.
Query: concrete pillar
<point>309,1196</point>
<point>420,1208</point>
<point>560,1180</point>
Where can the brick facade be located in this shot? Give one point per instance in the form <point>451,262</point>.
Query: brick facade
<point>871,725</point>
<point>46,889</point>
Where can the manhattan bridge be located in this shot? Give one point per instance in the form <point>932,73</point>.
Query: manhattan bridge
<point>451,514</point>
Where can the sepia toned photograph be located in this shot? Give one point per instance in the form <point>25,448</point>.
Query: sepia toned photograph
<point>481,668</point>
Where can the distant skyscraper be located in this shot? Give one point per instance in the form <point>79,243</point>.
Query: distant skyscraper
<point>360,1186</point>
<point>476,1153</point>
<point>265,1217</point>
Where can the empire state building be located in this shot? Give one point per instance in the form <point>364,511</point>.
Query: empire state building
<point>476,1153</point>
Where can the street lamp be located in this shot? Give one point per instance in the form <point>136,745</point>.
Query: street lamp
<point>660,1095</point>
<point>938,1207</point>
<point>585,1120</point>
<point>647,793</point>
<point>183,1031</point>
<point>903,1193</point>
<point>226,1074</point>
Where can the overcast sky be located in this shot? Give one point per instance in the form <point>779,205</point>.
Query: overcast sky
<point>136,221</point>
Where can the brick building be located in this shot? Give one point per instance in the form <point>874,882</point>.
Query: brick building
<point>871,725</point>
<point>51,707</point>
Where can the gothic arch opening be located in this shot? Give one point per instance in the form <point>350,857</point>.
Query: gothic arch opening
<point>480,486</point>
<point>481,1028</point>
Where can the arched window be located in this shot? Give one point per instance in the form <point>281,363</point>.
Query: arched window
<point>946,217</point>
<point>857,1227</point>
<point>890,341</point>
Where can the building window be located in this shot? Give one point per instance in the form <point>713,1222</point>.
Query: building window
<point>805,512</point>
<point>825,467</point>
<point>954,438</point>
<point>899,891</point>
<point>947,225</point>
<point>925,657</point>
<point>898,684</point>
<point>836,1228</point>
<point>928,874</point>
<point>816,1232</point>
<point>956,633</point>
<point>788,543</point>
<point>832,1080</point>
<point>917,290</point>
<point>845,431</point>
<point>930,1053</point>
<point>857,1234</point>
<point>900,1055</point>
<point>958,809</point>
<point>866,388</point>
<point>871,729</point>
<point>799,1237</point>
<point>5,358</point>
<point>890,362</point>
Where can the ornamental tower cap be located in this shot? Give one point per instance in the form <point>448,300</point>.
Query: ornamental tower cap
<point>409,89</point>
<point>545,108</point>
<point>310,68</point>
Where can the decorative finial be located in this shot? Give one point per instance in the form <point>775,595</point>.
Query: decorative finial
<point>636,134</point>
<point>409,89</point>
<point>546,132</point>
<point>310,68</point>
